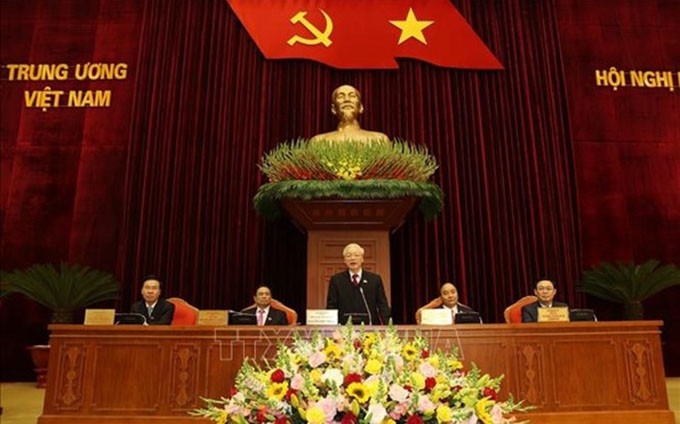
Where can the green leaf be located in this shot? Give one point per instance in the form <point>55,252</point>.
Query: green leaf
<point>70,288</point>
<point>625,283</point>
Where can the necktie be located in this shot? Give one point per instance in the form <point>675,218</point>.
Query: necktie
<point>260,317</point>
<point>355,279</point>
<point>149,310</point>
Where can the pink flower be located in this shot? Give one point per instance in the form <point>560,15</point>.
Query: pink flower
<point>329,406</point>
<point>398,411</point>
<point>297,382</point>
<point>316,359</point>
<point>496,413</point>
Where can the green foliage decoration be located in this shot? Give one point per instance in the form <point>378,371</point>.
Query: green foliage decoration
<point>350,169</point>
<point>69,288</point>
<point>629,284</point>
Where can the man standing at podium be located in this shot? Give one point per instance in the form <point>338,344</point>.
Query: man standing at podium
<point>357,294</point>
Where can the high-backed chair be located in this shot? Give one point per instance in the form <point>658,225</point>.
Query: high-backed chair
<point>434,303</point>
<point>185,314</point>
<point>291,314</point>
<point>513,313</point>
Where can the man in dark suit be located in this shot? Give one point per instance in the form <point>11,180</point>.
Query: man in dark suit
<point>449,295</point>
<point>263,311</point>
<point>545,291</point>
<point>356,292</point>
<point>156,311</point>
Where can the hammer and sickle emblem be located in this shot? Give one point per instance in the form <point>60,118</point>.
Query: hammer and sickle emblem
<point>321,37</point>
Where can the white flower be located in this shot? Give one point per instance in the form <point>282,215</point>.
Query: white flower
<point>427,370</point>
<point>377,413</point>
<point>425,404</point>
<point>332,375</point>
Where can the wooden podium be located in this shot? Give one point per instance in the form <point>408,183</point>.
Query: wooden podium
<point>331,224</point>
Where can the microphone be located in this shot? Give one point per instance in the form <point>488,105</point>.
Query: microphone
<point>239,313</point>
<point>370,318</point>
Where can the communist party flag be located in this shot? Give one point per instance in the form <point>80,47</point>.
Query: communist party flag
<point>364,34</point>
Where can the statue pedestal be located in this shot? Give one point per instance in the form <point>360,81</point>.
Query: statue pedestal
<point>331,224</point>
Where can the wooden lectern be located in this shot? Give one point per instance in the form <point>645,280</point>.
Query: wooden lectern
<point>331,224</point>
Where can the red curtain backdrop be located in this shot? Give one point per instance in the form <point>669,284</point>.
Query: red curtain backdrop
<point>210,108</point>
<point>627,142</point>
<point>162,181</point>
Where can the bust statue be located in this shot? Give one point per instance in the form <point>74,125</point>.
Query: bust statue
<point>346,106</point>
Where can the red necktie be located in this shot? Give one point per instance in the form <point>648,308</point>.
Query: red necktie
<point>355,279</point>
<point>260,317</point>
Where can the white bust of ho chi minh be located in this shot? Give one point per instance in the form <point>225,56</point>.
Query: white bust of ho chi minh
<point>346,106</point>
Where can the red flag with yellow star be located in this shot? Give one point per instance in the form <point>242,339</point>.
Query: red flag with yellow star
<point>366,34</point>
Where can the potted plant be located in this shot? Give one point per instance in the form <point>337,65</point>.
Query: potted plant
<point>64,291</point>
<point>629,284</point>
<point>348,170</point>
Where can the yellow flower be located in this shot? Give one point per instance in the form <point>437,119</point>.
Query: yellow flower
<point>372,386</point>
<point>418,381</point>
<point>434,361</point>
<point>315,415</point>
<point>373,366</point>
<point>369,340</point>
<point>444,414</point>
<point>481,410</point>
<point>440,391</point>
<point>277,390</point>
<point>223,417</point>
<point>455,364</point>
<point>333,351</point>
<point>315,375</point>
<point>359,392</point>
<point>409,352</point>
<point>389,421</point>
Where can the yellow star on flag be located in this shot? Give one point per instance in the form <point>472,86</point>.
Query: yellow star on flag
<point>411,27</point>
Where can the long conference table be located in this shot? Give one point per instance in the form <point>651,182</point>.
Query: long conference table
<point>595,372</point>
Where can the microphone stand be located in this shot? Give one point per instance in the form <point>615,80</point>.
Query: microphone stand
<point>370,318</point>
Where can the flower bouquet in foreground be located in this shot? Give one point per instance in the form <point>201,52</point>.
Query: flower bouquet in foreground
<point>361,377</point>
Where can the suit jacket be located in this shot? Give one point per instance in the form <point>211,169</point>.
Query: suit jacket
<point>274,317</point>
<point>464,308</point>
<point>347,299</point>
<point>530,311</point>
<point>161,315</point>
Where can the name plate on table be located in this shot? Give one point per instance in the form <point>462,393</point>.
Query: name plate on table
<point>322,317</point>
<point>558,314</point>
<point>439,316</point>
<point>99,316</point>
<point>213,318</point>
